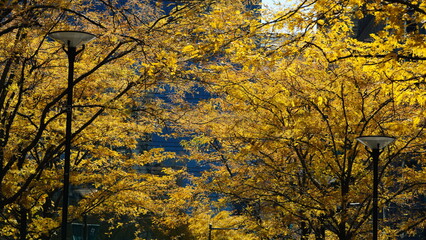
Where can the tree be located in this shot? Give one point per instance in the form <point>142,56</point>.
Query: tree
<point>286,175</point>
<point>283,145</point>
<point>134,56</point>
<point>279,131</point>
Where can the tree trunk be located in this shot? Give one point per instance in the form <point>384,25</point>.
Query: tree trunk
<point>305,232</point>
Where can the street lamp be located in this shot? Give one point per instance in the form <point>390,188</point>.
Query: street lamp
<point>375,143</point>
<point>211,228</point>
<point>71,40</point>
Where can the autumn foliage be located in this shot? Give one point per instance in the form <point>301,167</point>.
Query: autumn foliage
<point>288,102</point>
<point>287,93</point>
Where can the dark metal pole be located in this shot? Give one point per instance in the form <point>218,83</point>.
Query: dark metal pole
<point>210,231</point>
<point>85,232</point>
<point>71,52</point>
<point>375,154</point>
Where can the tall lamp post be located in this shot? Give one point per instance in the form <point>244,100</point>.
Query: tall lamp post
<point>71,41</point>
<point>211,228</point>
<point>376,144</point>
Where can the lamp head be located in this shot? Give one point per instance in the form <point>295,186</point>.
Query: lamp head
<point>71,38</point>
<point>375,142</point>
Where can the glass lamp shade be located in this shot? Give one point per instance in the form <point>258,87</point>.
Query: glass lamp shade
<point>375,142</point>
<point>72,38</point>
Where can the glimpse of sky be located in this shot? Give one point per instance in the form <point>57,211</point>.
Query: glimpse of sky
<point>272,6</point>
